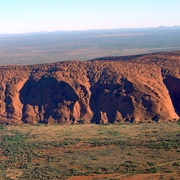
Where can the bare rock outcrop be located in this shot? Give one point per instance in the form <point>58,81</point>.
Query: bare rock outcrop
<point>112,89</point>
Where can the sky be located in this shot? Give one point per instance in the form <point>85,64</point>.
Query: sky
<point>21,16</point>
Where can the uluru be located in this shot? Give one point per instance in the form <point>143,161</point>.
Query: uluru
<point>139,88</point>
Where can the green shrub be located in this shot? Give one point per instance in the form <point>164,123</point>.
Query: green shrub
<point>151,163</point>
<point>2,126</point>
<point>151,170</point>
<point>178,122</point>
<point>176,164</point>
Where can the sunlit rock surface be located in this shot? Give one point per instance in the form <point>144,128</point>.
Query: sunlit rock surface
<point>139,88</point>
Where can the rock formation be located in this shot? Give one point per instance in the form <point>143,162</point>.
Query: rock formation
<point>112,89</point>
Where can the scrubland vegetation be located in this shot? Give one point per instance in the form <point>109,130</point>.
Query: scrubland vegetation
<point>90,151</point>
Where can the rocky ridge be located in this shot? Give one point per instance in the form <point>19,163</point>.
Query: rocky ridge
<point>138,88</point>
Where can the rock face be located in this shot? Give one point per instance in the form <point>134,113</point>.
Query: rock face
<point>111,89</point>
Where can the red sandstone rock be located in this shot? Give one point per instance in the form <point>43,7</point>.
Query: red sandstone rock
<point>112,89</point>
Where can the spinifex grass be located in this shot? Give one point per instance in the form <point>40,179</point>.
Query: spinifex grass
<point>60,152</point>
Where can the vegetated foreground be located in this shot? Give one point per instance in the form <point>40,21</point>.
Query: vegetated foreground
<point>148,150</point>
<point>106,90</point>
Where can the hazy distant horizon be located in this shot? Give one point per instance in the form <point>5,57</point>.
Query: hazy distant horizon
<point>87,30</point>
<point>38,48</point>
<point>29,16</point>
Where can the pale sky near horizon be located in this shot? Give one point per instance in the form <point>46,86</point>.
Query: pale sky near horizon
<point>20,16</point>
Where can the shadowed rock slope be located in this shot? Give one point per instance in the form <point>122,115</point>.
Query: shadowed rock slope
<point>111,89</point>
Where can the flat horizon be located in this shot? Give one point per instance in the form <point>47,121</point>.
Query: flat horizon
<point>83,30</point>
